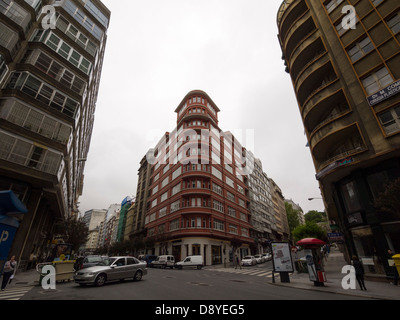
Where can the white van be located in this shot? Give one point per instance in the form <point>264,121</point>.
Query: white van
<point>163,262</point>
<point>191,261</point>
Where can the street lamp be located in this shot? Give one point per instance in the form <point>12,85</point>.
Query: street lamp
<point>310,199</point>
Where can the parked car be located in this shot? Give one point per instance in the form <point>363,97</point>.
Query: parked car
<point>249,261</point>
<point>190,261</point>
<point>89,261</point>
<point>258,258</point>
<point>266,256</point>
<point>148,258</point>
<point>163,262</point>
<point>114,268</point>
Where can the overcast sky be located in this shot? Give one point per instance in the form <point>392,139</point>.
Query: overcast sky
<point>158,51</point>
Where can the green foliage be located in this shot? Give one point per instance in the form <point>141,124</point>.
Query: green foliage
<point>315,216</point>
<point>389,200</point>
<point>75,232</point>
<point>309,230</point>
<point>292,216</point>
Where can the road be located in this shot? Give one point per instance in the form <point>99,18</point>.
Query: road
<point>250,283</point>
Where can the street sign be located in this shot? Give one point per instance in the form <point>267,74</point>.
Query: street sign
<point>282,257</point>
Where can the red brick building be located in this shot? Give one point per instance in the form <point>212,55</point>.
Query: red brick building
<point>198,199</point>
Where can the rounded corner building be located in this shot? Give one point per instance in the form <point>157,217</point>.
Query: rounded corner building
<point>197,201</point>
<point>343,57</point>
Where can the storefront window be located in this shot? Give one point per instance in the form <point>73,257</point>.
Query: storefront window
<point>366,251</point>
<point>350,197</point>
<point>216,254</point>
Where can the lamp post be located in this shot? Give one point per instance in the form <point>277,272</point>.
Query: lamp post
<point>310,199</point>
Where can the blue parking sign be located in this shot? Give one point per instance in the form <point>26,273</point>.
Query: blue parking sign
<point>7,234</point>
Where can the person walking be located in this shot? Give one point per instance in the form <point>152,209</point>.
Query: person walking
<point>8,271</point>
<point>359,272</point>
<point>237,262</point>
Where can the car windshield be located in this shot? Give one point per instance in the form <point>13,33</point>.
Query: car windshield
<point>93,259</point>
<point>107,261</point>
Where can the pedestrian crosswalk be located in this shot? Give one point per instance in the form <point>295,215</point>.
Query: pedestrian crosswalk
<point>252,271</point>
<point>14,293</point>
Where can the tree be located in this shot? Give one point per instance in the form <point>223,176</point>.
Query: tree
<point>75,232</point>
<point>292,216</point>
<point>315,216</point>
<point>388,201</point>
<point>309,230</point>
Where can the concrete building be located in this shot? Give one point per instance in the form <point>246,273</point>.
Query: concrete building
<point>198,197</point>
<point>263,219</point>
<point>49,81</point>
<point>137,213</point>
<point>297,207</point>
<point>344,66</point>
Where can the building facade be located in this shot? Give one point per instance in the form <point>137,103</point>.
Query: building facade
<point>263,221</point>
<point>135,226</point>
<point>344,66</point>
<point>50,68</point>
<point>198,195</point>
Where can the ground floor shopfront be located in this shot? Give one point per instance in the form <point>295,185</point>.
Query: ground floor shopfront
<point>368,231</point>
<point>214,251</point>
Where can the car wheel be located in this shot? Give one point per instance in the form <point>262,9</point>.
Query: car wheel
<point>138,276</point>
<point>100,280</point>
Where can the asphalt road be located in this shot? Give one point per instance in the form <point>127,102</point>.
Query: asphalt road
<point>189,284</point>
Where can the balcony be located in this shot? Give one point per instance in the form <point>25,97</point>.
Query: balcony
<point>300,31</point>
<point>290,16</point>
<point>318,77</point>
<point>307,53</point>
<point>325,111</point>
<point>344,141</point>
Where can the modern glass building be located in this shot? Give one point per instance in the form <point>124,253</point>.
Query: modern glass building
<point>51,56</point>
<point>343,57</point>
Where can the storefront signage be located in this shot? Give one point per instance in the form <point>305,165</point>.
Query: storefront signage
<point>333,166</point>
<point>335,236</point>
<point>384,94</point>
<point>282,257</point>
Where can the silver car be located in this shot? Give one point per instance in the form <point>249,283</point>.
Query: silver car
<point>113,268</point>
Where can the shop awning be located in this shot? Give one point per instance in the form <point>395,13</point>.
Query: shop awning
<point>9,203</point>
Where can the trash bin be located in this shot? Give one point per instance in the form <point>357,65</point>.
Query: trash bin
<point>396,259</point>
<point>64,270</point>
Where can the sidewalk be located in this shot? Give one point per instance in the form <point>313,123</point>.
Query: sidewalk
<point>333,268</point>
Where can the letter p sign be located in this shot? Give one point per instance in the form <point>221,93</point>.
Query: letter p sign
<point>4,236</point>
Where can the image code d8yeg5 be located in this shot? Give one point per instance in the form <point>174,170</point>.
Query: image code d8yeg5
<point>221,309</point>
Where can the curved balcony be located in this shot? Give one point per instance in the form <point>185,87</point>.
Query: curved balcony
<point>306,53</point>
<point>300,31</point>
<point>329,128</point>
<point>320,94</point>
<point>326,110</point>
<point>319,61</point>
<point>290,16</point>
<point>344,140</point>
<point>316,79</point>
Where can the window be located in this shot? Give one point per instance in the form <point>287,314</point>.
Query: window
<point>377,80</point>
<point>176,173</point>
<point>175,206</point>
<point>174,225</point>
<point>219,225</point>
<point>360,49</point>
<point>233,229</point>
<point>163,212</point>
<point>216,173</point>
<point>218,206</point>
<point>331,5</point>
<point>164,182</point>
<point>176,189</point>
<point>164,196</point>
<point>394,23</point>
<point>217,189</point>
<point>390,120</point>
<point>230,182</point>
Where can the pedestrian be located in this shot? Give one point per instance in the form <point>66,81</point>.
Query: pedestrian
<point>237,262</point>
<point>359,272</point>
<point>8,271</point>
<point>396,274</point>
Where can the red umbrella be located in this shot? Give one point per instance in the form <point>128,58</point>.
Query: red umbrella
<point>310,241</point>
